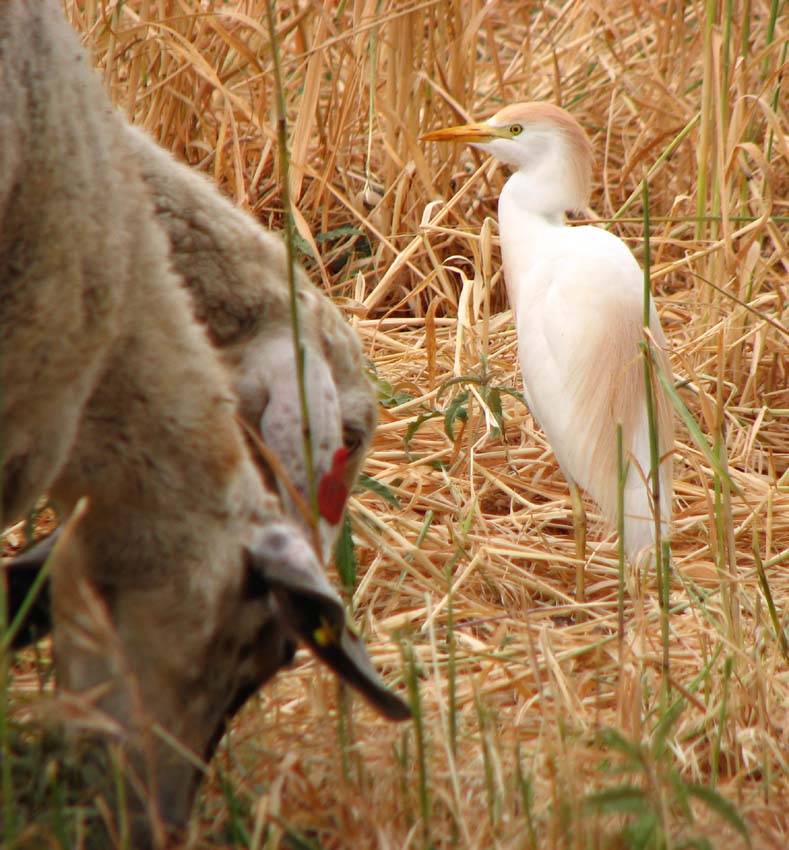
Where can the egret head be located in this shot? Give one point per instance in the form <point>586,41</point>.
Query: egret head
<point>540,140</point>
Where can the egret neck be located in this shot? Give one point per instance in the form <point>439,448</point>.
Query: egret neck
<point>529,220</point>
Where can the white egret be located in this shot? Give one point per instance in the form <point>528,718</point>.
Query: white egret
<point>577,298</point>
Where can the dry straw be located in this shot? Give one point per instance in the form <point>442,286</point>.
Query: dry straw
<point>536,728</point>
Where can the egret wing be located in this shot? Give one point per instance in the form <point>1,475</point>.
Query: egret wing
<point>578,340</point>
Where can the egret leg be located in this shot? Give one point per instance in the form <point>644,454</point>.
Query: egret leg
<point>579,526</point>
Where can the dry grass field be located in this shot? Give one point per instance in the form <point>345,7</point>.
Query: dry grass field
<point>537,724</point>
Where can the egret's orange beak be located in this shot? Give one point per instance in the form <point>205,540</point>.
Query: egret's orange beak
<point>479,133</point>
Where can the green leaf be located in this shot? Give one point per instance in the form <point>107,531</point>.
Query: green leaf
<point>680,789</point>
<point>615,740</point>
<point>664,726</point>
<point>493,400</point>
<point>624,799</point>
<point>516,394</point>
<point>695,432</point>
<point>456,410</point>
<point>641,834</point>
<point>345,556</point>
<point>721,806</point>
<point>301,245</point>
<point>298,841</point>
<point>414,427</point>
<point>338,233</point>
<point>768,596</point>
<point>461,379</point>
<point>380,489</point>
<point>387,396</point>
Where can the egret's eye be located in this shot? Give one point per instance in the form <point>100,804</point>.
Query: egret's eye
<point>516,129</point>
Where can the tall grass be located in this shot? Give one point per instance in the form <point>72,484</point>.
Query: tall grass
<point>555,732</point>
<point>288,216</point>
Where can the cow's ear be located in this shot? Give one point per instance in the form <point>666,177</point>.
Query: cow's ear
<point>282,561</point>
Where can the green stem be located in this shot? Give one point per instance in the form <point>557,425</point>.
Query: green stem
<point>371,48</point>
<point>707,118</point>
<point>5,748</point>
<point>654,450</point>
<point>726,62</point>
<point>776,99</point>
<point>775,619</point>
<point>680,137</point>
<point>298,348</point>
<point>620,528</point>
<point>451,671</point>
<point>9,631</point>
<point>421,743</point>
<point>716,749</point>
<point>5,744</point>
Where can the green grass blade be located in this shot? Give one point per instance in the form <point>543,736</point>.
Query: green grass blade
<point>298,349</point>
<point>623,799</point>
<point>780,633</point>
<point>693,429</point>
<point>345,557</point>
<point>420,734</point>
<point>722,807</point>
<point>366,482</point>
